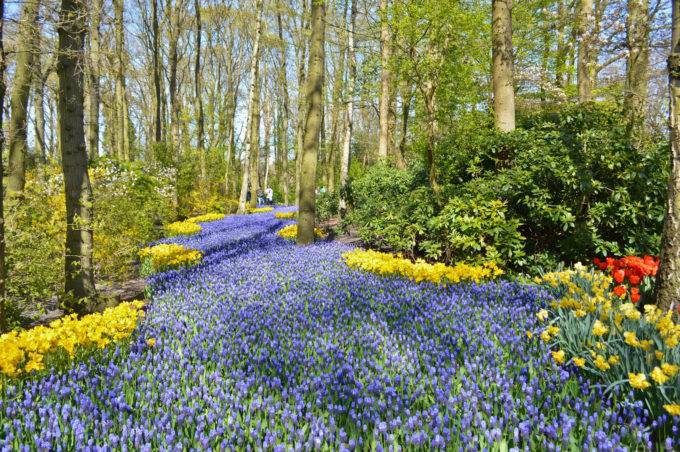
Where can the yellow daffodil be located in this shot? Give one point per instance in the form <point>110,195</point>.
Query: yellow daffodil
<point>638,381</point>
<point>672,409</point>
<point>658,376</point>
<point>600,329</point>
<point>669,369</point>
<point>558,356</point>
<point>580,362</point>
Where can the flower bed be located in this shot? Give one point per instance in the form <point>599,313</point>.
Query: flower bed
<point>387,264</point>
<point>260,209</point>
<point>183,228</point>
<point>53,345</point>
<point>290,232</point>
<point>205,218</point>
<point>286,215</point>
<point>166,256</point>
<point>270,346</point>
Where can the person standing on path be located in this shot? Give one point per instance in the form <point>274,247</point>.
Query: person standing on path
<point>269,193</point>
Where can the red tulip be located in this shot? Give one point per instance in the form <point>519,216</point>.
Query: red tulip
<point>619,275</point>
<point>634,279</point>
<point>619,290</point>
<point>635,297</point>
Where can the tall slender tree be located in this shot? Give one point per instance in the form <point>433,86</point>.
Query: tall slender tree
<point>78,270</point>
<point>637,63</point>
<point>503,65</point>
<point>667,290</point>
<point>199,102</point>
<point>3,88</point>
<point>155,36</point>
<point>349,120</point>
<point>312,124</point>
<point>385,80</point>
<point>26,43</point>
<point>584,35</point>
<point>250,151</point>
<point>122,143</point>
<point>93,73</point>
<point>284,110</point>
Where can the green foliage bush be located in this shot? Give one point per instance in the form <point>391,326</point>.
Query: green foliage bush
<point>573,183</point>
<point>130,201</point>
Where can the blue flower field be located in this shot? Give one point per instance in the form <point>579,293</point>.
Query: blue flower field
<point>267,346</point>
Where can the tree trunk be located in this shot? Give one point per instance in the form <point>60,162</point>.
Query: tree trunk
<point>78,270</point>
<point>39,111</point>
<point>431,140</point>
<point>267,122</point>
<point>121,116</point>
<point>667,290</point>
<point>406,98</point>
<point>285,114</point>
<point>3,89</point>
<point>199,102</point>
<point>386,47</point>
<point>349,122</point>
<point>306,214</point>
<point>255,150</point>
<point>93,73</point>
<point>300,127</point>
<point>561,56</point>
<point>254,65</point>
<point>584,32</point>
<point>173,61</point>
<point>503,75</point>
<point>637,63</point>
<point>156,73</point>
<point>26,43</point>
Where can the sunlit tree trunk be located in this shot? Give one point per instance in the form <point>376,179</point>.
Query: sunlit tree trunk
<point>313,121</point>
<point>156,72</point>
<point>284,114</point>
<point>561,55</point>
<point>199,102</point>
<point>250,150</point>
<point>667,290</point>
<point>122,149</point>
<point>78,270</point>
<point>173,58</point>
<point>300,126</point>
<point>255,150</point>
<point>3,88</point>
<point>349,121</point>
<point>584,34</point>
<point>385,77</point>
<point>93,74</point>
<point>18,122</point>
<point>503,71</point>
<point>39,110</point>
<point>637,64</point>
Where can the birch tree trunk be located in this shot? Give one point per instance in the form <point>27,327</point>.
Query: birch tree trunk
<point>349,122</point>
<point>503,71</point>
<point>255,150</point>
<point>18,122</point>
<point>637,64</point>
<point>78,270</point>
<point>584,32</point>
<point>667,290</point>
<point>254,65</point>
<point>386,47</point>
<point>93,73</point>
<point>313,121</point>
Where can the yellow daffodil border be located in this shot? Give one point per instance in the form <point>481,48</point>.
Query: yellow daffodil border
<point>260,209</point>
<point>290,232</point>
<point>183,228</point>
<point>592,328</point>
<point>286,215</point>
<point>64,339</point>
<point>205,218</point>
<point>388,264</point>
<point>169,255</point>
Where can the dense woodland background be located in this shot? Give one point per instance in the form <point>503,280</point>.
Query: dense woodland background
<point>565,159</point>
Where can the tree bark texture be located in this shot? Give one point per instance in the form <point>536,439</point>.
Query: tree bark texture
<point>349,121</point>
<point>667,290</point>
<point>39,110</point>
<point>3,89</point>
<point>584,34</point>
<point>312,125</point>
<point>18,122</point>
<point>254,65</point>
<point>385,76</point>
<point>173,61</point>
<point>199,102</point>
<point>78,270</point>
<point>255,151</point>
<point>156,73</point>
<point>93,73</point>
<point>637,64</point>
<point>503,71</point>
<point>122,150</point>
<point>284,115</point>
